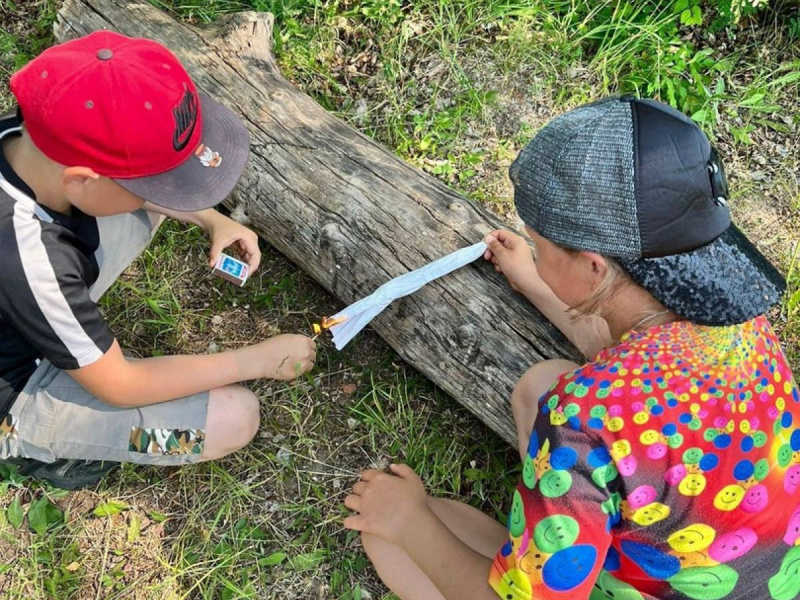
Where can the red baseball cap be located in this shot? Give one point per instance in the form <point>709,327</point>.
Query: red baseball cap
<point>127,109</point>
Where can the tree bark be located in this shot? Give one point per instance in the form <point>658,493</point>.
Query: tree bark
<point>352,214</point>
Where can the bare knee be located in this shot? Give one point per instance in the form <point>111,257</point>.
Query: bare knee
<point>233,420</point>
<point>537,381</point>
<point>246,414</point>
<point>529,389</point>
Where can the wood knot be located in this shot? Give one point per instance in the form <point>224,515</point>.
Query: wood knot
<point>466,334</point>
<point>331,230</point>
<point>239,214</point>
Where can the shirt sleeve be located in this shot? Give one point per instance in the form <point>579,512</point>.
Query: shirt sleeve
<point>561,515</point>
<point>48,303</point>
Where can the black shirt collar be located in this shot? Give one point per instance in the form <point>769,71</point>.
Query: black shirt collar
<point>6,124</point>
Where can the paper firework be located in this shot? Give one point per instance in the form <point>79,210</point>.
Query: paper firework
<point>346,324</point>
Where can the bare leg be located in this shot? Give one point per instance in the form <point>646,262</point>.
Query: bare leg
<point>525,398</point>
<point>400,574</point>
<point>232,422</point>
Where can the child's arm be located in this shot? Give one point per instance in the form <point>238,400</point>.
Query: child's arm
<point>222,230</point>
<point>130,383</point>
<point>512,256</point>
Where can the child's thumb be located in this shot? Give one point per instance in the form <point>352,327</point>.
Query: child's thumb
<point>213,254</point>
<point>495,245</point>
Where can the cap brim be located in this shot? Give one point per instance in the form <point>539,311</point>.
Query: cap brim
<point>192,186</point>
<point>725,282</point>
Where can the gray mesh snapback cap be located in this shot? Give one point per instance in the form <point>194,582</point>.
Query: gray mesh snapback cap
<point>639,181</point>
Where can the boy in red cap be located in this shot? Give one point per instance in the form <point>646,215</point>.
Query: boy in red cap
<point>111,133</point>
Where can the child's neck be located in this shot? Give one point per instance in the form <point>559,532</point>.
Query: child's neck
<point>630,307</point>
<point>42,175</point>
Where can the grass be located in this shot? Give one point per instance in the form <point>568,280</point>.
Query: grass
<point>455,87</point>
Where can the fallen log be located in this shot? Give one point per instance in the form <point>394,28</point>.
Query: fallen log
<point>352,214</point>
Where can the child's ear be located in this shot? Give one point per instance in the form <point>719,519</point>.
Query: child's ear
<point>599,265</point>
<point>74,180</point>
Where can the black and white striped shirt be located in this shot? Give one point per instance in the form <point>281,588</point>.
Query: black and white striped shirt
<point>47,265</point>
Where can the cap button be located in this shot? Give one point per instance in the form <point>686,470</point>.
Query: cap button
<point>104,54</point>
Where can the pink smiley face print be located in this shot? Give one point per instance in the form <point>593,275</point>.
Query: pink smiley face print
<point>627,465</point>
<point>791,481</point>
<point>733,545</point>
<point>676,474</point>
<point>755,499</point>
<point>793,529</point>
<point>656,451</point>
<point>642,496</point>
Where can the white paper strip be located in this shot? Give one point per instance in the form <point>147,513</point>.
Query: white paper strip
<point>360,313</point>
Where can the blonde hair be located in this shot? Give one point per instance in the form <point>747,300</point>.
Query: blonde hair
<point>614,281</point>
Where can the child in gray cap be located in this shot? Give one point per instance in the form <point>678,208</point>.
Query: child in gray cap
<point>666,467</point>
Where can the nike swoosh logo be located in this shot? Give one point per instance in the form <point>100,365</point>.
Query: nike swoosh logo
<point>185,120</point>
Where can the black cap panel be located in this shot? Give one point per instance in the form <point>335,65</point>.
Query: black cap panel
<point>675,200</point>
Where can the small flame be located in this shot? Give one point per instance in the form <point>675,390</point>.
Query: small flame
<point>327,323</point>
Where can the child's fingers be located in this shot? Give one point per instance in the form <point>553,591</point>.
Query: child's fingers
<point>250,252</point>
<point>370,474</point>
<point>255,260</point>
<point>354,523</point>
<point>353,502</point>
<point>403,471</point>
<point>493,243</point>
<point>217,246</point>
<point>495,233</point>
<point>501,244</point>
<point>213,255</point>
<point>505,237</point>
<point>359,488</point>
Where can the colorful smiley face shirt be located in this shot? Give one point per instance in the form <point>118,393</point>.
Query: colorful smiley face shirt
<point>668,468</point>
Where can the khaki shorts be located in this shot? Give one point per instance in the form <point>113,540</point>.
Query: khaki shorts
<point>55,417</point>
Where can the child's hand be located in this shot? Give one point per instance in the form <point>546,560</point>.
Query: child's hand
<point>226,232</point>
<point>386,504</point>
<point>283,357</point>
<point>511,256</point>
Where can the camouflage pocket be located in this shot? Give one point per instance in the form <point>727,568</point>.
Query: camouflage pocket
<point>8,427</point>
<point>166,442</point>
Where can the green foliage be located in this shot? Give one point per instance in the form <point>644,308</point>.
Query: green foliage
<point>43,515</point>
<point>110,508</point>
<point>791,304</point>
<point>661,49</point>
<point>14,513</point>
<point>15,49</point>
<point>690,12</point>
<point>732,12</point>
